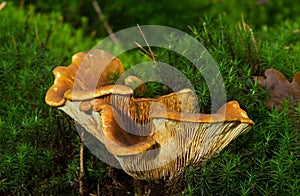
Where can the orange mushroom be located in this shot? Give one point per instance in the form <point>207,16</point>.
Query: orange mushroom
<point>150,138</point>
<point>91,69</point>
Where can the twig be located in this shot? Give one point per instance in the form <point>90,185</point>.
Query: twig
<point>105,23</point>
<point>149,48</point>
<point>14,41</point>
<point>246,27</point>
<point>144,51</point>
<point>21,4</point>
<point>81,174</point>
<point>98,188</point>
<point>2,5</point>
<point>36,32</point>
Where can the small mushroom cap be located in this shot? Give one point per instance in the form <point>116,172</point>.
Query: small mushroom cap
<point>87,72</point>
<point>136,84</point>
<point>118,141</point>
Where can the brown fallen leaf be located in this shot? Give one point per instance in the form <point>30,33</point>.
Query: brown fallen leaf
<point>280,88</point>
<point>296,31</point>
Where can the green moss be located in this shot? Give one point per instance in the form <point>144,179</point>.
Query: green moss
<point>40,145</point>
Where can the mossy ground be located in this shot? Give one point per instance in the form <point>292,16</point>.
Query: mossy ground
<point>39,145</point>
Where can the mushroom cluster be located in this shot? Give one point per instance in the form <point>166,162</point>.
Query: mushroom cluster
<point>151,138</point>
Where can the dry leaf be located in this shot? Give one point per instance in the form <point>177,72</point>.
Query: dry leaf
<point>296,31</point>
<point>279,87</point>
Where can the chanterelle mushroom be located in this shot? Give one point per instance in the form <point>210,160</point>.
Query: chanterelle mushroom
<point>150,138</point>
<point>92,70</point>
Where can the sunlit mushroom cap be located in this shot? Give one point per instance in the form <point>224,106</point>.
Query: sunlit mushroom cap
<point>81,79</point>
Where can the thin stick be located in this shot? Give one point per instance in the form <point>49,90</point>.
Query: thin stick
<point>14,41</point>
<point>81,174</point>
<point>144,51</point>
<point>21,4</point>
<point>149,48</point>
<point>37,32</point>
<point>247,27</point>
<point>98,188</point>
<point>2,5</point>
<point>105,23</point>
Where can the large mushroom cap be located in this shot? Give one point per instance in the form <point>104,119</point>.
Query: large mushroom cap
<point>87,72</point>
<point>177,140</point>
